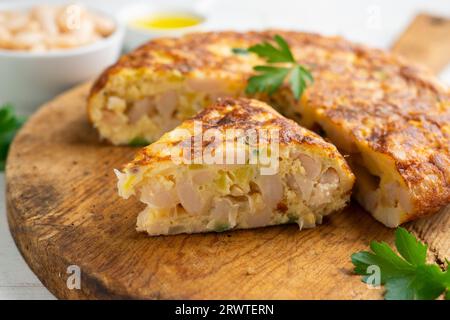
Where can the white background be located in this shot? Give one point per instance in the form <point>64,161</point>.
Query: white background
<point>376,23</point>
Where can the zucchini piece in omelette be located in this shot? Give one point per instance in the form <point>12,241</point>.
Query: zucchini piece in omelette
<point>305,179</point>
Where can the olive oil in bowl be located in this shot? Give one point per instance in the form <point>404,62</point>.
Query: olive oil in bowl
<point>165,21</point>
<point>145,22</point>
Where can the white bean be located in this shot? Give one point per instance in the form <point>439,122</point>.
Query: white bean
<point>45,16</point>
<point>4,33</point>
<point>5,38</point>
<point>70,18</point>
<point>103,25</point>
<point>47,27</point>
<point>17,21</point>
<point>28,39</point>
<point>63,41</point>
<point>39,48</point>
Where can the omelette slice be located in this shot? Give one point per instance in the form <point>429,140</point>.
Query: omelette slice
<point>267,170</point>
<point>390,118</point>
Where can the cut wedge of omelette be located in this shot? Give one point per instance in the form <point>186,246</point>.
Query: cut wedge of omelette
<point>392,119</point>
<point>186,192</point>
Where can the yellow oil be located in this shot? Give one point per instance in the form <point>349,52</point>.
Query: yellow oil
<point>166,21</point>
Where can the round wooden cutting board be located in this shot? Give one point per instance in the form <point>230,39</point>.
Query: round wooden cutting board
<point>64,211</point>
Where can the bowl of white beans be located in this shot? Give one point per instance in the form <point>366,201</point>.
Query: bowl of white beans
<point>45,49</point>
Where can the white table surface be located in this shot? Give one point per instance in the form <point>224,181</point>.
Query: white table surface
<point>376,23</point>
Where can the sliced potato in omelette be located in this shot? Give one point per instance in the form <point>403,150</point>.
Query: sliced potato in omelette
<point>391,118</point>
<point>305,179</point>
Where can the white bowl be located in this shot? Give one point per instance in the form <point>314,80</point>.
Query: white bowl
<point>29,79</point>
<point>137,36</point>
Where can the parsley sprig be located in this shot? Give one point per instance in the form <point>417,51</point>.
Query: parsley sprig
<point>269,78</point>
<point>405,276</point>
<point>9,124</point>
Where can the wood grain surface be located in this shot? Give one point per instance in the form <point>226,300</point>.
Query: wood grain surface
<point>426,41</point>
<point>63,210</point>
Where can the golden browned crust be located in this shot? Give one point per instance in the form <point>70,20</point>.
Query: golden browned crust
<point>191,53</point>
<point>246,114</point>
<point>395,108</point>
<point>240,114</point>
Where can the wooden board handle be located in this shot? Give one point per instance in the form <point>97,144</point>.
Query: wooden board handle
<point>426,41</point>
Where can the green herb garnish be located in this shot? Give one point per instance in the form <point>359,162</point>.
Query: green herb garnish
<point>138,142</point>
<point>9,124</point>
<point>221,227</point>
<point>239,51</point>
<point>405,276</point>
<point>270,77</point>
<point>292,218</point>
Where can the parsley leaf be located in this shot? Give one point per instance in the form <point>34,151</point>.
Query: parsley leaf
<point>411,249</point>
<point>270,78</point>
<point>298,80</point>
<point>239,51</point>
<point>273,54</point>
<point>407,276</point>
<point>138,142</point>
<point>9,124</point>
